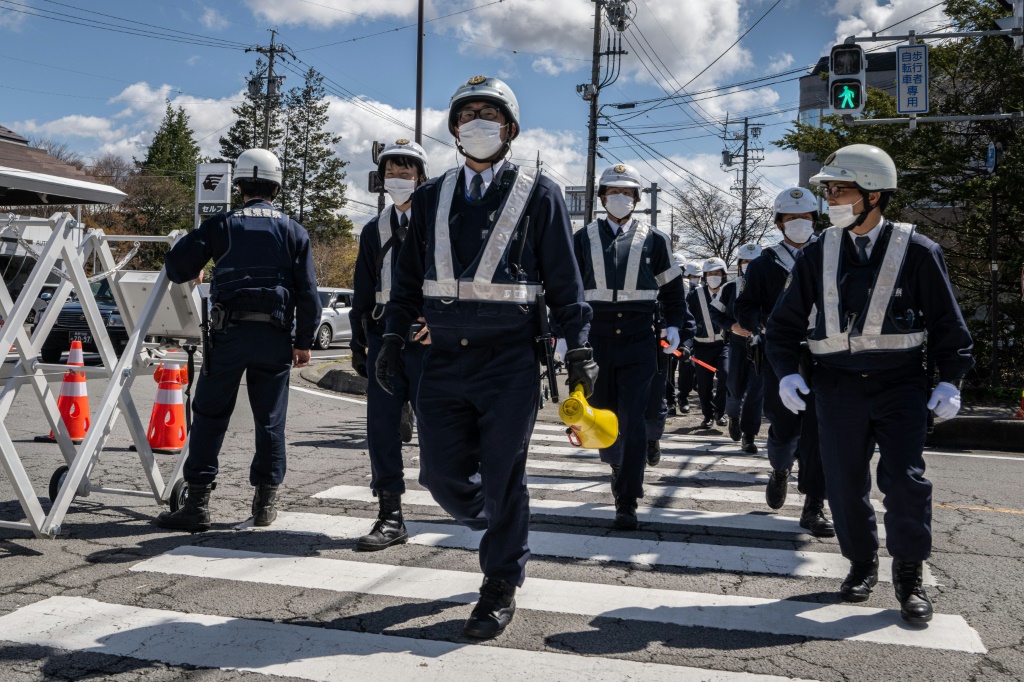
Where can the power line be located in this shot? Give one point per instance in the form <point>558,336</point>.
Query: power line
<point>926,9</point>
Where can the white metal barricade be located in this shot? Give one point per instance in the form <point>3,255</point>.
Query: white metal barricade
<point>150,305</point>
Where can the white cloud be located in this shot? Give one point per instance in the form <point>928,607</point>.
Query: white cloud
<point>780,62</point>
<point>859,17</point>
<point>212,19</point>
<point>327,13</point>
<point>193,60</point>
<point>88,127</point>
<point>11,19</point>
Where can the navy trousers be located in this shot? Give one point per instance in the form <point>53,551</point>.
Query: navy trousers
<point>856,412</point>
<point>745,388</point>
<point>384,415</point>
<point>670,380</point>
<point>624,387</point>
<point>793,437</point>
<point>476,410</point>
<point>657,404</point>
<point>687,381</point>
<point>712,397</point>
<point>264,354</point>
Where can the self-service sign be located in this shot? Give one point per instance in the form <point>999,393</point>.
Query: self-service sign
<point>213,190</point>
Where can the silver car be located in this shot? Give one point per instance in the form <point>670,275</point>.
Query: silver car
<point>334,324</point>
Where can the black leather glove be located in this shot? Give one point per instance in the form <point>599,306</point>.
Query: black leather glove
<point>359,361</point>
<point>582,370</point>
<point>686,353</point>
<point>389,362</point>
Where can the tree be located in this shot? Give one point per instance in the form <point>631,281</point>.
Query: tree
<point>173,152</point>
<point>709,220</point>
<point>247,130</point>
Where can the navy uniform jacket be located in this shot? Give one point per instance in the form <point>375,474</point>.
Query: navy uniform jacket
<point>723,310</point>
<point>547,258</point>
<point>262,263</point>
<point>766,280</point>
<point>700,330</point>
<point>367,275</point>
<point>633,318</point>
<point>925,301</point>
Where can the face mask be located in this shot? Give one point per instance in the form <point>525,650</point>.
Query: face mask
<point>481,139</point>
<point>799,230</point>
<point>842,216</point>
<point>619,205</point>
<point>399,189</point>
<point>714,281</point>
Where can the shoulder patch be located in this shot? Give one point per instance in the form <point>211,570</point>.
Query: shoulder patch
<point>789,280</point>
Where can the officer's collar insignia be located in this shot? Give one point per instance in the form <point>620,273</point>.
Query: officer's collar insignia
<point>619,169</point>
<point>402,141</point>
<point>789,280</point>
<point>477,80</point>
<point>797,193</point>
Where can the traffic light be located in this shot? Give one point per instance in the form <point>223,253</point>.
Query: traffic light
<point>1015,21</point>
<point>847,79</point>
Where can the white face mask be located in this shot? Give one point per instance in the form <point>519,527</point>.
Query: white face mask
<point>481,139</point>
<point>799,230</point>
<point>619,205</point>
<point>399,189</point>
<point>844,215</point>
<point>714,281</point>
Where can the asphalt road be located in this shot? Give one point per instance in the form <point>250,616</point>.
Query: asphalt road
<point>713,586</point>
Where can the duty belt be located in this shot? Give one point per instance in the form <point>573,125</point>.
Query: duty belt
<point>237,316</point>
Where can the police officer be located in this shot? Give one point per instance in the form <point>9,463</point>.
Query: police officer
<point>628,273</point>
<point>403,167</point>
<point>687,376</point>
<point>262,279</point>
<point>484,241</point>
<point>879,291</point>
<point>744,388</point>
<point>709,344</point>
<point>791,437</point>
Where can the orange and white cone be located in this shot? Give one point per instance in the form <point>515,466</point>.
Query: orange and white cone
<point>75,358</point>
<point>179,370</point>
<point>167,431</point>
<point>73,402</point>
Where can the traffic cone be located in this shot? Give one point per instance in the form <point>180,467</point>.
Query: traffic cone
<point>179,370</point>
<point>1020,410</point>
<point>167,432</point>
<point>73,402</point>
<point>75,358</point>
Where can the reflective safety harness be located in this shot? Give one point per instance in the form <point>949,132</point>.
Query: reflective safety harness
<point>480,286</point>
<point>631,291</point>
<point>783,258</point>
<point>870,337</point>
<point>384,223</point>
<point>709,326</point>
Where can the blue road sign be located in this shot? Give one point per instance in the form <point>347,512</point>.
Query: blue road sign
<point>912,79</point>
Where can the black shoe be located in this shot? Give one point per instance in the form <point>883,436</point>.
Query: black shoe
<point>734,429</point>
<point>907,578</point>
<point>263,510</point>
<point>625,514</point>
<point>494,611</point>
<point>684,408</point>
<point>653,453</point>
<point>748,445</point>
<point>706,424</point>
<point>405,426</point>
<point>813,518</point>
<point>862,577</point>
<point>672,411</point>
<point>778,486</point>
<point>722,421</point>
<point>194,515</point>
<point>389,528</point>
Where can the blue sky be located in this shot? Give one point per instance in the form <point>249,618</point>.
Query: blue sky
<point>103,91</point>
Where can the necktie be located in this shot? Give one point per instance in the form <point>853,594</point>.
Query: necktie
<point>403,226</point>
<point>862,248</point>
<point>476,188</point>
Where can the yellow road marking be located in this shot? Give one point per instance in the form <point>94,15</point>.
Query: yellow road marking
<point>982,509</point>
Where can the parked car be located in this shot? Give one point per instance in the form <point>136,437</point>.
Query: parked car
<point>71,326</point>
<point>334,324</point>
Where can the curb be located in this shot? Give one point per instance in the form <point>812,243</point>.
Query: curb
<point>979,433</point>
<point>335,376</point>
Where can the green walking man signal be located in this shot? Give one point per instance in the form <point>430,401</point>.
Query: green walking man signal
<point>847,79</point>
<point>846,97</point>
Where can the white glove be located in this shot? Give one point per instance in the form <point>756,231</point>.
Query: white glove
<point>945,401</point>
<point>671,336</point>
<point>788,388</point>
<point>560,349</point>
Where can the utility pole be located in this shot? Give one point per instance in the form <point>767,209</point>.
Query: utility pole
<point>746,166</point>
<point>751,155</point>
<point>419,78</point>
<point>653,191</point>
<point>273,82</point>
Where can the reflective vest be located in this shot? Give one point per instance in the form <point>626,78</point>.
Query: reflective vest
<point>709,326</point>
<point>638,280</point>
<point>870,337</point>
<point>782,257</point>
<point>383,294</point>
<point>487,278</point>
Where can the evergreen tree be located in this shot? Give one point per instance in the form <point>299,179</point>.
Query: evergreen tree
<point>173,152</point>
<point>247,130</point>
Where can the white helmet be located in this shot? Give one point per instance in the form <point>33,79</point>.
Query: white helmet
<point>258,164</point>
<point>712,264</point>
<point>679,259</point>
<point>485,89</point>
<point>402,147</point>
<point>692,270</point>
<point>620,175</point>
<point>748,251</point>
<point>796,200</point>
<point>865,165</point>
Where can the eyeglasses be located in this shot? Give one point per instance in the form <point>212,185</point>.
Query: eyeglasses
<point>486,113</point>
<point>836,190</point>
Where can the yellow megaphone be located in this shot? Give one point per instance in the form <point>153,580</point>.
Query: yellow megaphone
<point>588,428</point>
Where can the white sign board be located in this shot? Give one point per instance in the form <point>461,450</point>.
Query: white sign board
<point>575,200</point>
<point>213,190</point>
<point>912,79</point>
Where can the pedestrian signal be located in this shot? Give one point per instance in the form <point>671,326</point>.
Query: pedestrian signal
<point>847,79</point>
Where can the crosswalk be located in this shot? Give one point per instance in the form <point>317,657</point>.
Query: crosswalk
<point>704,514</point>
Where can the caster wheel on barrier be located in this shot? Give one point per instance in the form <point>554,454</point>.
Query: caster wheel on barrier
<point>179,493</point>
<point>56,481</point>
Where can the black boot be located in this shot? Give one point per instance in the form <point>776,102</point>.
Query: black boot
<point>684,407</point>
<point>494,611</point>
<point>672,410</point>
<point>389,528</point>
<point>263,510</point>
<point>194,515</point>
<point>721,420</point>
<point>813,518</point>
<point>706,424</point>
<point>625,514</point>
<point>734,429</point>
<point>653,453</point>
<point>748,445</point>
<point>405,427</point>
<point>862,577</point>
<point>907,578</point>
<point>778,486</point>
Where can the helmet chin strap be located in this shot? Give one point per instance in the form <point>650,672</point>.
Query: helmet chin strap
<point>863,215</point>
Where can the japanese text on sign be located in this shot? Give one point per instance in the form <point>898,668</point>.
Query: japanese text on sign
<point>912,79</point>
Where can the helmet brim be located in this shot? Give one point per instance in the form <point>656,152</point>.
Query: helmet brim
<point>831,174</point>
